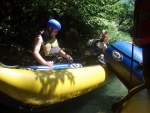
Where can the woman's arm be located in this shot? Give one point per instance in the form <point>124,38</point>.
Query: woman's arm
<point>36,54</point>
<point>66,56</point>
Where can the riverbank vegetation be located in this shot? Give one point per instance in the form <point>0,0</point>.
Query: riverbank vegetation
<point>80,19</point>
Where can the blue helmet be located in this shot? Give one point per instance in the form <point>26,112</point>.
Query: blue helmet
<point>54,24</point>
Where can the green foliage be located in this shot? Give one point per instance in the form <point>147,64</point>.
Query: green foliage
<point>22,19</point>
<point>80,19</point>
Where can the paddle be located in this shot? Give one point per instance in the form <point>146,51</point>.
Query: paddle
<point>6,66</point>
<point>55,67</point>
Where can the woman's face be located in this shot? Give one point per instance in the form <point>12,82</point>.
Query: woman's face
<point>106,39</point>
<point>54,33</point>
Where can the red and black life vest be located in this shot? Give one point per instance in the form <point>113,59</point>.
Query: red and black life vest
<point>142,22</point>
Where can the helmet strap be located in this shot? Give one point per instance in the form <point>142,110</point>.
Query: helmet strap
<point>50,31</point>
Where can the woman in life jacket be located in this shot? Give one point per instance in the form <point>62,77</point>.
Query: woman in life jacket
<point>96,47</point>
<point>46,44</point>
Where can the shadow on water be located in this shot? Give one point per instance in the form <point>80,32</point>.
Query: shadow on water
<point>96,101</point>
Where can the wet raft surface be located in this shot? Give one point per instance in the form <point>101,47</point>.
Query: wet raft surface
<point>96,101</point>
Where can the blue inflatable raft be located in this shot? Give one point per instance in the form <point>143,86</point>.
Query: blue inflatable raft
<point>125,59</point>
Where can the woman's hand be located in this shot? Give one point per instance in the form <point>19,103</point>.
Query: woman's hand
<point>66,56</point>
<point>69,58</point>
<point>49,63</point>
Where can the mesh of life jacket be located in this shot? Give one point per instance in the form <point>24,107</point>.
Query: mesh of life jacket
<point>93,48</point>
<point>142,22</point>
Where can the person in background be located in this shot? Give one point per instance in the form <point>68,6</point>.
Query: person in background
<point>96,47</point>
<point>102,44</point>
<point>46,46</point>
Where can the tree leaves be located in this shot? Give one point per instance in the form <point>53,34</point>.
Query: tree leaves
<point>80,19</point>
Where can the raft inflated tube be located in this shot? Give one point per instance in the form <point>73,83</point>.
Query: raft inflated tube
<point>48,87</point>
<point>138,103</point>
<point>125,60</point>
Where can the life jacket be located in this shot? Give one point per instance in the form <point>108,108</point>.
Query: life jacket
<point>93,48</point>
<point>142,22</point>
<point>50,46</point>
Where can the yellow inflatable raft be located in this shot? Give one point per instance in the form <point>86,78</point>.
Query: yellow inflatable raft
<point>47,87</point>
<point>136,101</point>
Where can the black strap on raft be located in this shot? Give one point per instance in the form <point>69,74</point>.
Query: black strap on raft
<point>117,107</point>
<point>139,67</point>
<point>131,70</point>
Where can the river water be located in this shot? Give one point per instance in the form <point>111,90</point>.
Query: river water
<point>99,100</point>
